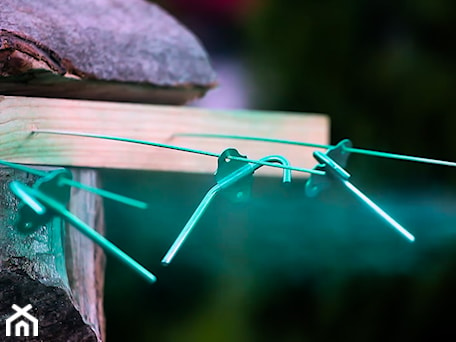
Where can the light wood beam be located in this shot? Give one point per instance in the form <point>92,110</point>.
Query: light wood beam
<point>20,115</point>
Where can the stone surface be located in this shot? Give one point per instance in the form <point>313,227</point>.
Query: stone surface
<point>104,41</point>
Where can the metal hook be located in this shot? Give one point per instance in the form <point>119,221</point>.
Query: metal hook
<point>56,208</point>
<point>29,219</point>
<point>240,172</point>
<point>317,183</point>
<point>335,171</point>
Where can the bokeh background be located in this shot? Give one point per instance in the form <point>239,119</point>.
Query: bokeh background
<point>284,267</point>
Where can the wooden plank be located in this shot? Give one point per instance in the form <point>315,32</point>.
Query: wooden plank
<point>20,115</point>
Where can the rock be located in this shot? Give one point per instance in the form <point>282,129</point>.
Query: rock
<point>99,49</point>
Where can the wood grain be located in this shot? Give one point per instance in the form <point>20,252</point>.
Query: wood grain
<point>20,115</point>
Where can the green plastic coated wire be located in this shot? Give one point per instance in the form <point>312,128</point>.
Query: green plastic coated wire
<point>222,184</point>
<point>59,209</point>
<point>24,168</point>
<point>348,149</point>
<point>69,182</point>
<point>107,194</point>
<point>178,148</point>
<point>25,197</point>
<point>343,176</point>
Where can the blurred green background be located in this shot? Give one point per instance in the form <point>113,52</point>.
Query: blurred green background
<point>283,267</point>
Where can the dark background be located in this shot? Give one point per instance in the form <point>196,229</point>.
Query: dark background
<point>283,267</point>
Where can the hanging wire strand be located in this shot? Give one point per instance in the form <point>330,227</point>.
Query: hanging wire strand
<point>222,184</point>
<point>24,168</point>
<point>106,194</point>
<point>25,192</point>
<point>177,148</point>
<point>306,144</point>
<point>343,176</point>
<point>69,182</point>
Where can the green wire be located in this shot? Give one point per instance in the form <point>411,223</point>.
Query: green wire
<point>59,209</point>
<point>178,148</point>
<point>24,168</point>
<point>400,156</point>
<point>29,200</point>
<point>72,183</point>
<point>104,193</point>
<point>348,149</point>
<point>243,137</point>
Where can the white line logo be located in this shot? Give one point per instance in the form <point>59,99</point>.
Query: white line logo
<point>22,327</point>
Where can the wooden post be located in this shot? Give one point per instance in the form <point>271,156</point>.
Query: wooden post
<point>55,270</point>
